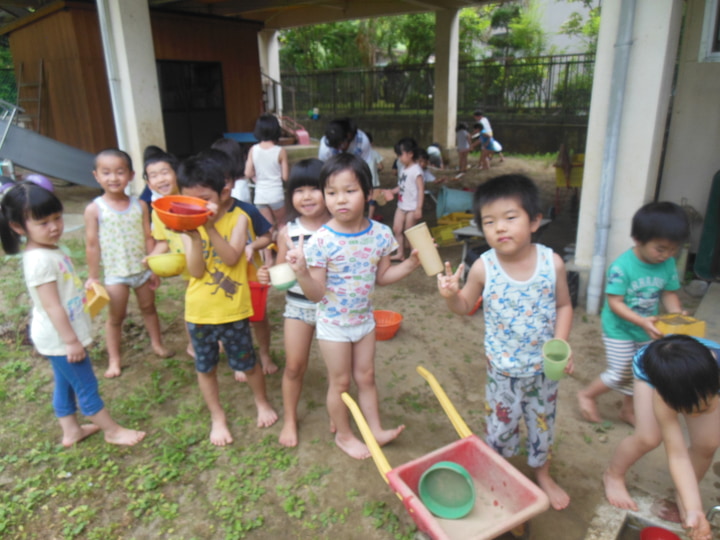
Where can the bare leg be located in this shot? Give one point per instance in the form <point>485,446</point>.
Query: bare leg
<point>262,336</point>
<point>219,433</point>
<point>146,301</point>
<point>298,340</point>
<point>256,381</point>
<point>114,433</point>
<point>398,224</point>
<point>559,499</point>
<point>586,399</point>
<point>113,327</point>
<point>73,432</point>
<point>627,412</point>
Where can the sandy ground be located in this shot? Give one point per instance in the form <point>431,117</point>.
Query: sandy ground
<point>451,348</point>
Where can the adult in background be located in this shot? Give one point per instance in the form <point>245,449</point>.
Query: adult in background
<point>343,135</point>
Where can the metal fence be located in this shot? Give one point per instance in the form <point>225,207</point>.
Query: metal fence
<point>559,84</point>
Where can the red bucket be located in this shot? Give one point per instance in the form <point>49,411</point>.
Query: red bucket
<point>259,293</point>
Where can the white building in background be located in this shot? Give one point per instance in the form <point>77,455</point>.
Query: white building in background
<point>553,15</point>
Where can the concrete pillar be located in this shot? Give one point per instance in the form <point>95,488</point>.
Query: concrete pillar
<point>646,100</point>
<point>132,73</point>
<point>269,50</point>
<point>447,31</point>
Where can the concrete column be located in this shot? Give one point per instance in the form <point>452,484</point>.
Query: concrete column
<point>269,49</point>
<point>132,73</point>
<point>646,100</point>
<point>447,31</point>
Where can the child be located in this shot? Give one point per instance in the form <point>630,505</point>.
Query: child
<point>308,212</point>
<point>435,158</point>
<point>462,142</point>
<point>636,283</point>
<point>424,161</point>
<point>117,232</point>
<point>267,164</point>
<point>674,376</point>
<point>410,190</point>
<point>526,302</point>
<point>60,328</point>
<point>160,172</point>
<point>241,185</point>
<point>487,144</point>
<point>345,258</point>
<point>217,300</point>
<point>376,165</point>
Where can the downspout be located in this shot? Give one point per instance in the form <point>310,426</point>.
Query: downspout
<point>610,153</point>
<point>113,74</point>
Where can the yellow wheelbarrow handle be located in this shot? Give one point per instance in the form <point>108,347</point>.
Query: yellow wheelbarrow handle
<point>377,454</point>
<point>458,423</point>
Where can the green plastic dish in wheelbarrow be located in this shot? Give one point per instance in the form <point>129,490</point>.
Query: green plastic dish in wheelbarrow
<point>447,490</point>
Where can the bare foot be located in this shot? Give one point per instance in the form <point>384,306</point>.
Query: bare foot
<point>387,435</point>
<point>289,435</point>
<point>162,352</point>
<point>627,416</point>
<point>220,434</point>
<point>266,416</point>
<point>240,376</point>
<point>353,447</point>
<point>588,408</point>
<point>85,431</point>
<point>124,437</point>
<point>559,499</point>
<point>268,365</point>
<point>616,492</point>
<point>112,371</point>
<point>666,509</point>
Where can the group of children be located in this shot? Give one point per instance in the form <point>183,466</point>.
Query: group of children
<point>480,138</point>
<point>338,256</point>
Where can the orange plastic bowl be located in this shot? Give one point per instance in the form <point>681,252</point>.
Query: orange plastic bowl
<point>657,533</point>
<point>173,212</point>
<point>387,323</point>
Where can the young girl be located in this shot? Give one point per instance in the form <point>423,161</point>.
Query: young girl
<point>307,208</point>
<point>267,164</point>
<point>410,190</point>
<point>60,328</point>
<point>117,231</point>
<point>345,258</point>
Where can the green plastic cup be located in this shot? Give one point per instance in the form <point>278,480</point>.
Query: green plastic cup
<point>556,354</point>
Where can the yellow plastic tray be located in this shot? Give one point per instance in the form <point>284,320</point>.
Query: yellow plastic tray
<point>97,298</point>
<point>674,323</point>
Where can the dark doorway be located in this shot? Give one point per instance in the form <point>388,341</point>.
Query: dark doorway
<point>193,105</point>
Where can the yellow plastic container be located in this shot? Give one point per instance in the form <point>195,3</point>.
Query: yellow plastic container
<point>674,323</point>
<point>457,219</point>
<point>97,298</point>
<point>443,235</point>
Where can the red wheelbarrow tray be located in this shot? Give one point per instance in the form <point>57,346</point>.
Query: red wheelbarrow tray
<point>505,498</point>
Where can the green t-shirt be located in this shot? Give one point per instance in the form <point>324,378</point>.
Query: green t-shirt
<point>641,285</point>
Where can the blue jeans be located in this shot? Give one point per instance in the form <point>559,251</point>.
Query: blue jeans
<point>75,384</point>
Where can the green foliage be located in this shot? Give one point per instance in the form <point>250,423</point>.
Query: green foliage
<point>585,29</point>
<point>575,95</point>
<point>8,86</point>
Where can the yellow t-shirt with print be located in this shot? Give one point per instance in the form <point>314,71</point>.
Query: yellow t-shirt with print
<point>222,294</point>
<point>160,232</point>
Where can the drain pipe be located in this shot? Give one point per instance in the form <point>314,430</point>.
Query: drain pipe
<point>610,152</point>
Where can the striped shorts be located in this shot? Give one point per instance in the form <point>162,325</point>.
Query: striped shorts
<point>619,355</point>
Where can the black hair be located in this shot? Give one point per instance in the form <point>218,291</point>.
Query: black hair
<point>155,154</point>
<point>478,113</point>
<point>236,154</point>
<point>683,371</point>
<point>369,136</point>
<point>461,126</point>
<point>407,144</point>
<point>207,169</point>
<point>24,200</point>
<point>115,152</point>
<point>662,220</point>
<point>478,125</point>
<point>344,162</point>
<point>305,172</point>
<point>267,128</point>
<point>422,154</point>
<point>508,186</point>
<point>336,133</point>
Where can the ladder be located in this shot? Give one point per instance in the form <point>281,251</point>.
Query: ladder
<point>29,98</point>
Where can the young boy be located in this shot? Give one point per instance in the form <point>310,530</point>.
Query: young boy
<point>636,282</point>
<point>675,375</point>
<point>217,301</point>
<point>526,302</point>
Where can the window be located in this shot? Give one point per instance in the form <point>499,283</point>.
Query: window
<point>710,42</point>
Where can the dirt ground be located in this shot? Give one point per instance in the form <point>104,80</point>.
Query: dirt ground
<point>451,348</point>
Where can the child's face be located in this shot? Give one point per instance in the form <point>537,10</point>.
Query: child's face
<point>44,232</point>
<point>161,178</point>
<point>507,226</point>
<point>308,201</point>
<point>423,162</point>
<point>405,157</point>
<point>656,251</point>
<point>208,194</point>
<point>112,173</point>
<point>344,197</point>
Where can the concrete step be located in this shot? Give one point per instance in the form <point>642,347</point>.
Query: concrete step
<point>709,311</point>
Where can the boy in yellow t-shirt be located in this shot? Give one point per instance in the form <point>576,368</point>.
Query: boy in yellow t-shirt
<point>217,301</point>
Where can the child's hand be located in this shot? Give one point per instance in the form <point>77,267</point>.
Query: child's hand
<point>75,352</point>
<point>249,252</point>
<point>89,283</point>
<point>154,282</point>
<point>570,367</point>
<point>449,283</point>
<point>263,275</point>
<point>295,255</point>
<point>698,525</point>
<point>213,213</point>
<point>648,325</point>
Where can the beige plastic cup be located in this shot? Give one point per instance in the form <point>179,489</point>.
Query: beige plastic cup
<point>556,354</point>
<point>282,276</point>
<point>420,238</point>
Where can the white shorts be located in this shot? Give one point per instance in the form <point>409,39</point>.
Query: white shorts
<point>134,281</point>
<point>308,315</point>
<point>352,334</point>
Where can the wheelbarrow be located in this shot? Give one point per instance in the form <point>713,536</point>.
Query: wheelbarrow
<point>505,498</point>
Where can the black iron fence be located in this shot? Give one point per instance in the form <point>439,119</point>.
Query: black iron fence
<point>559,84</point>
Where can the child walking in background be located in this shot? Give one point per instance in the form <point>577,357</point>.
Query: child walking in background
<point>60,326</point>
<point>526,302</point>
<point>462,143</point>
<point>637,282</point>
<point>217,300</point>
<point>339,267</point>
<point>410,190</point>
<point>117,233</point>
<point>674,376</point>
<point>487,144</point>
<point>307,212</point>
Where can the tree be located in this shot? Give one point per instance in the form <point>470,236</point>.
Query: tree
<point>585,29</point>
